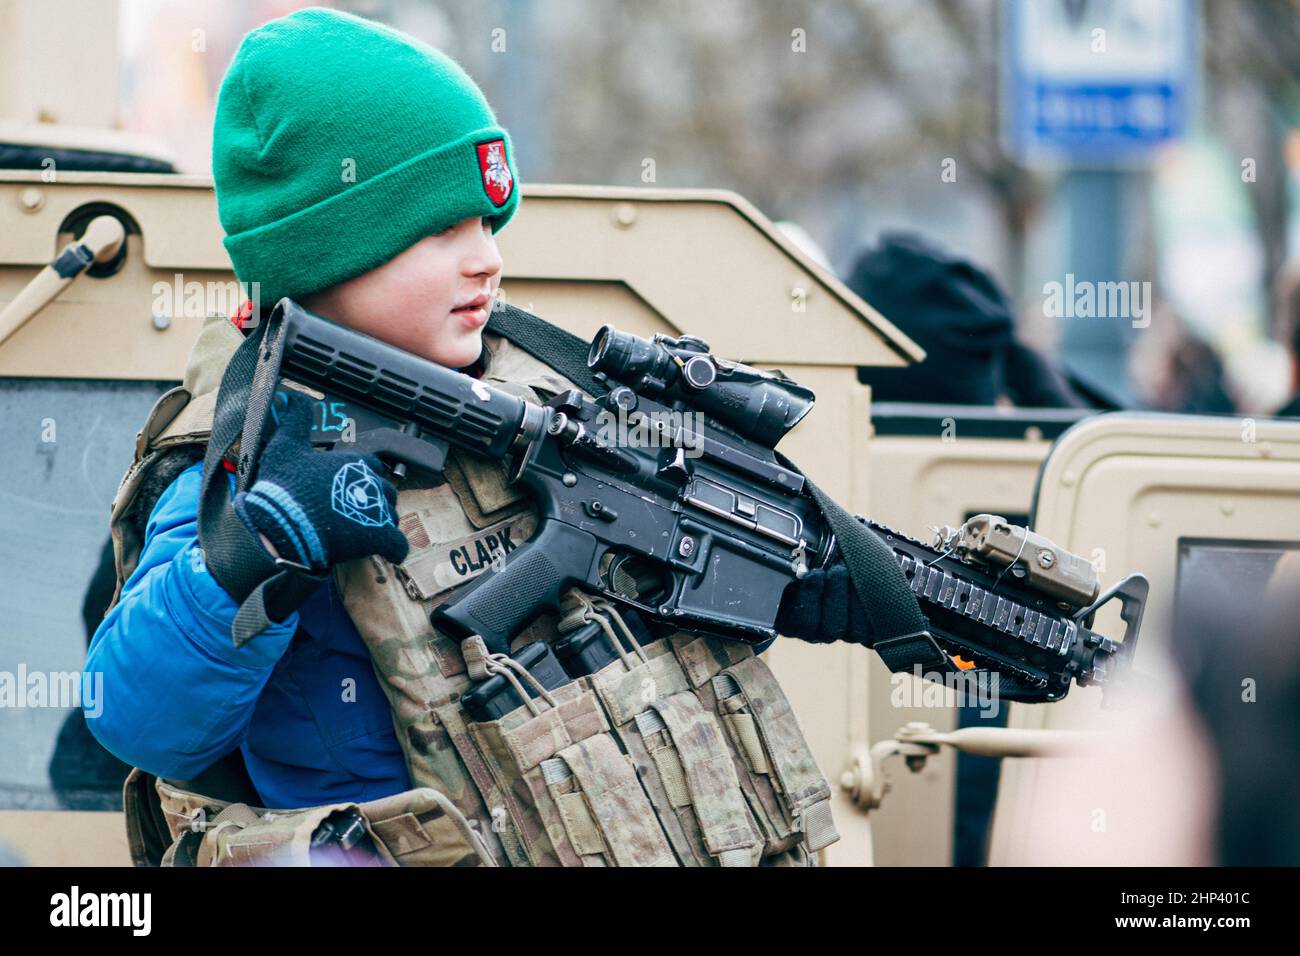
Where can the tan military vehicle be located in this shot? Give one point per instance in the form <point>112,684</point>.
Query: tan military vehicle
<point>1191,501</point>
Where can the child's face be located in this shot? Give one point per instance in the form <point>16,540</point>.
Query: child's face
<point>411,301</point>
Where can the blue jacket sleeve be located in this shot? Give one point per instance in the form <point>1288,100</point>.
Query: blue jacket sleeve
<point>176,693</point>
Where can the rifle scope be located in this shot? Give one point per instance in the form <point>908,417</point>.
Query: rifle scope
<point>757,405</point>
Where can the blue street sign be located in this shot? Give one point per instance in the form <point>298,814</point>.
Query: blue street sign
<point>1097,82</point>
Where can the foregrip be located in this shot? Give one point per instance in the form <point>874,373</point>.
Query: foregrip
<point>499,604</point>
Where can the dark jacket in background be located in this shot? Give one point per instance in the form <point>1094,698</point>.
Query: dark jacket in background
<point>964,321</point>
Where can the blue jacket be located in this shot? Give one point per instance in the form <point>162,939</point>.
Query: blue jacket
<point>300,700</point>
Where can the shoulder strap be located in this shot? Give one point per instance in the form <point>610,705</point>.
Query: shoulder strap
<point>266,588</point>
<point>881,586</point>
<point>550,344</point>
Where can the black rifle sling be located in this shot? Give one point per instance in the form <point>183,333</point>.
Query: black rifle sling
<point>266,589</point>
<point>549,344</point>
<point>899,631</point>
<point>880,583</point>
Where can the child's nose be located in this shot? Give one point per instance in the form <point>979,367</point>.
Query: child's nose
<point>482,257</point>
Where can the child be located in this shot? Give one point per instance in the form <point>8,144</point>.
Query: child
<point>364,175</point>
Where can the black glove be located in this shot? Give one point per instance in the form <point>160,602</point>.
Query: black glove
<point>822,607</point>
<point>320,508</point>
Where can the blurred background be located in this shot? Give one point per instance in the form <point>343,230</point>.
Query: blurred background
<point>1059,142</point>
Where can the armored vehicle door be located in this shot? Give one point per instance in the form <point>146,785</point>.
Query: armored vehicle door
<point>1200,505</point>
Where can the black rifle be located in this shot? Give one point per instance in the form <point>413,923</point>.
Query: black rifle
<point>664,494</point>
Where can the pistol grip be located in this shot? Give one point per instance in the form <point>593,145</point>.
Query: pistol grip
<point>499,604</point>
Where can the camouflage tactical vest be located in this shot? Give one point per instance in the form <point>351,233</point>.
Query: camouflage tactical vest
<point>684,752</point>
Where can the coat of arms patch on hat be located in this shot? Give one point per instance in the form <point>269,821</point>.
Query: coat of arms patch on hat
<point>497,179</point>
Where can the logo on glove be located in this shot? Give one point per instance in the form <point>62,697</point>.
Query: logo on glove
<point>356,495</point>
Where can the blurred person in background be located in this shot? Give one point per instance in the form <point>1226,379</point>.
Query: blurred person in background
<point>1237,651</point>
<point>1175,370</point>
<point>961,317</point>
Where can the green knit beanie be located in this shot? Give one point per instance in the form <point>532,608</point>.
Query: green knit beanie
<point>339,143</point>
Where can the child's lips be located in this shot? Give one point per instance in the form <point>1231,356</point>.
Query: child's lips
<point>478,301</point>
<point>474,315</point>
